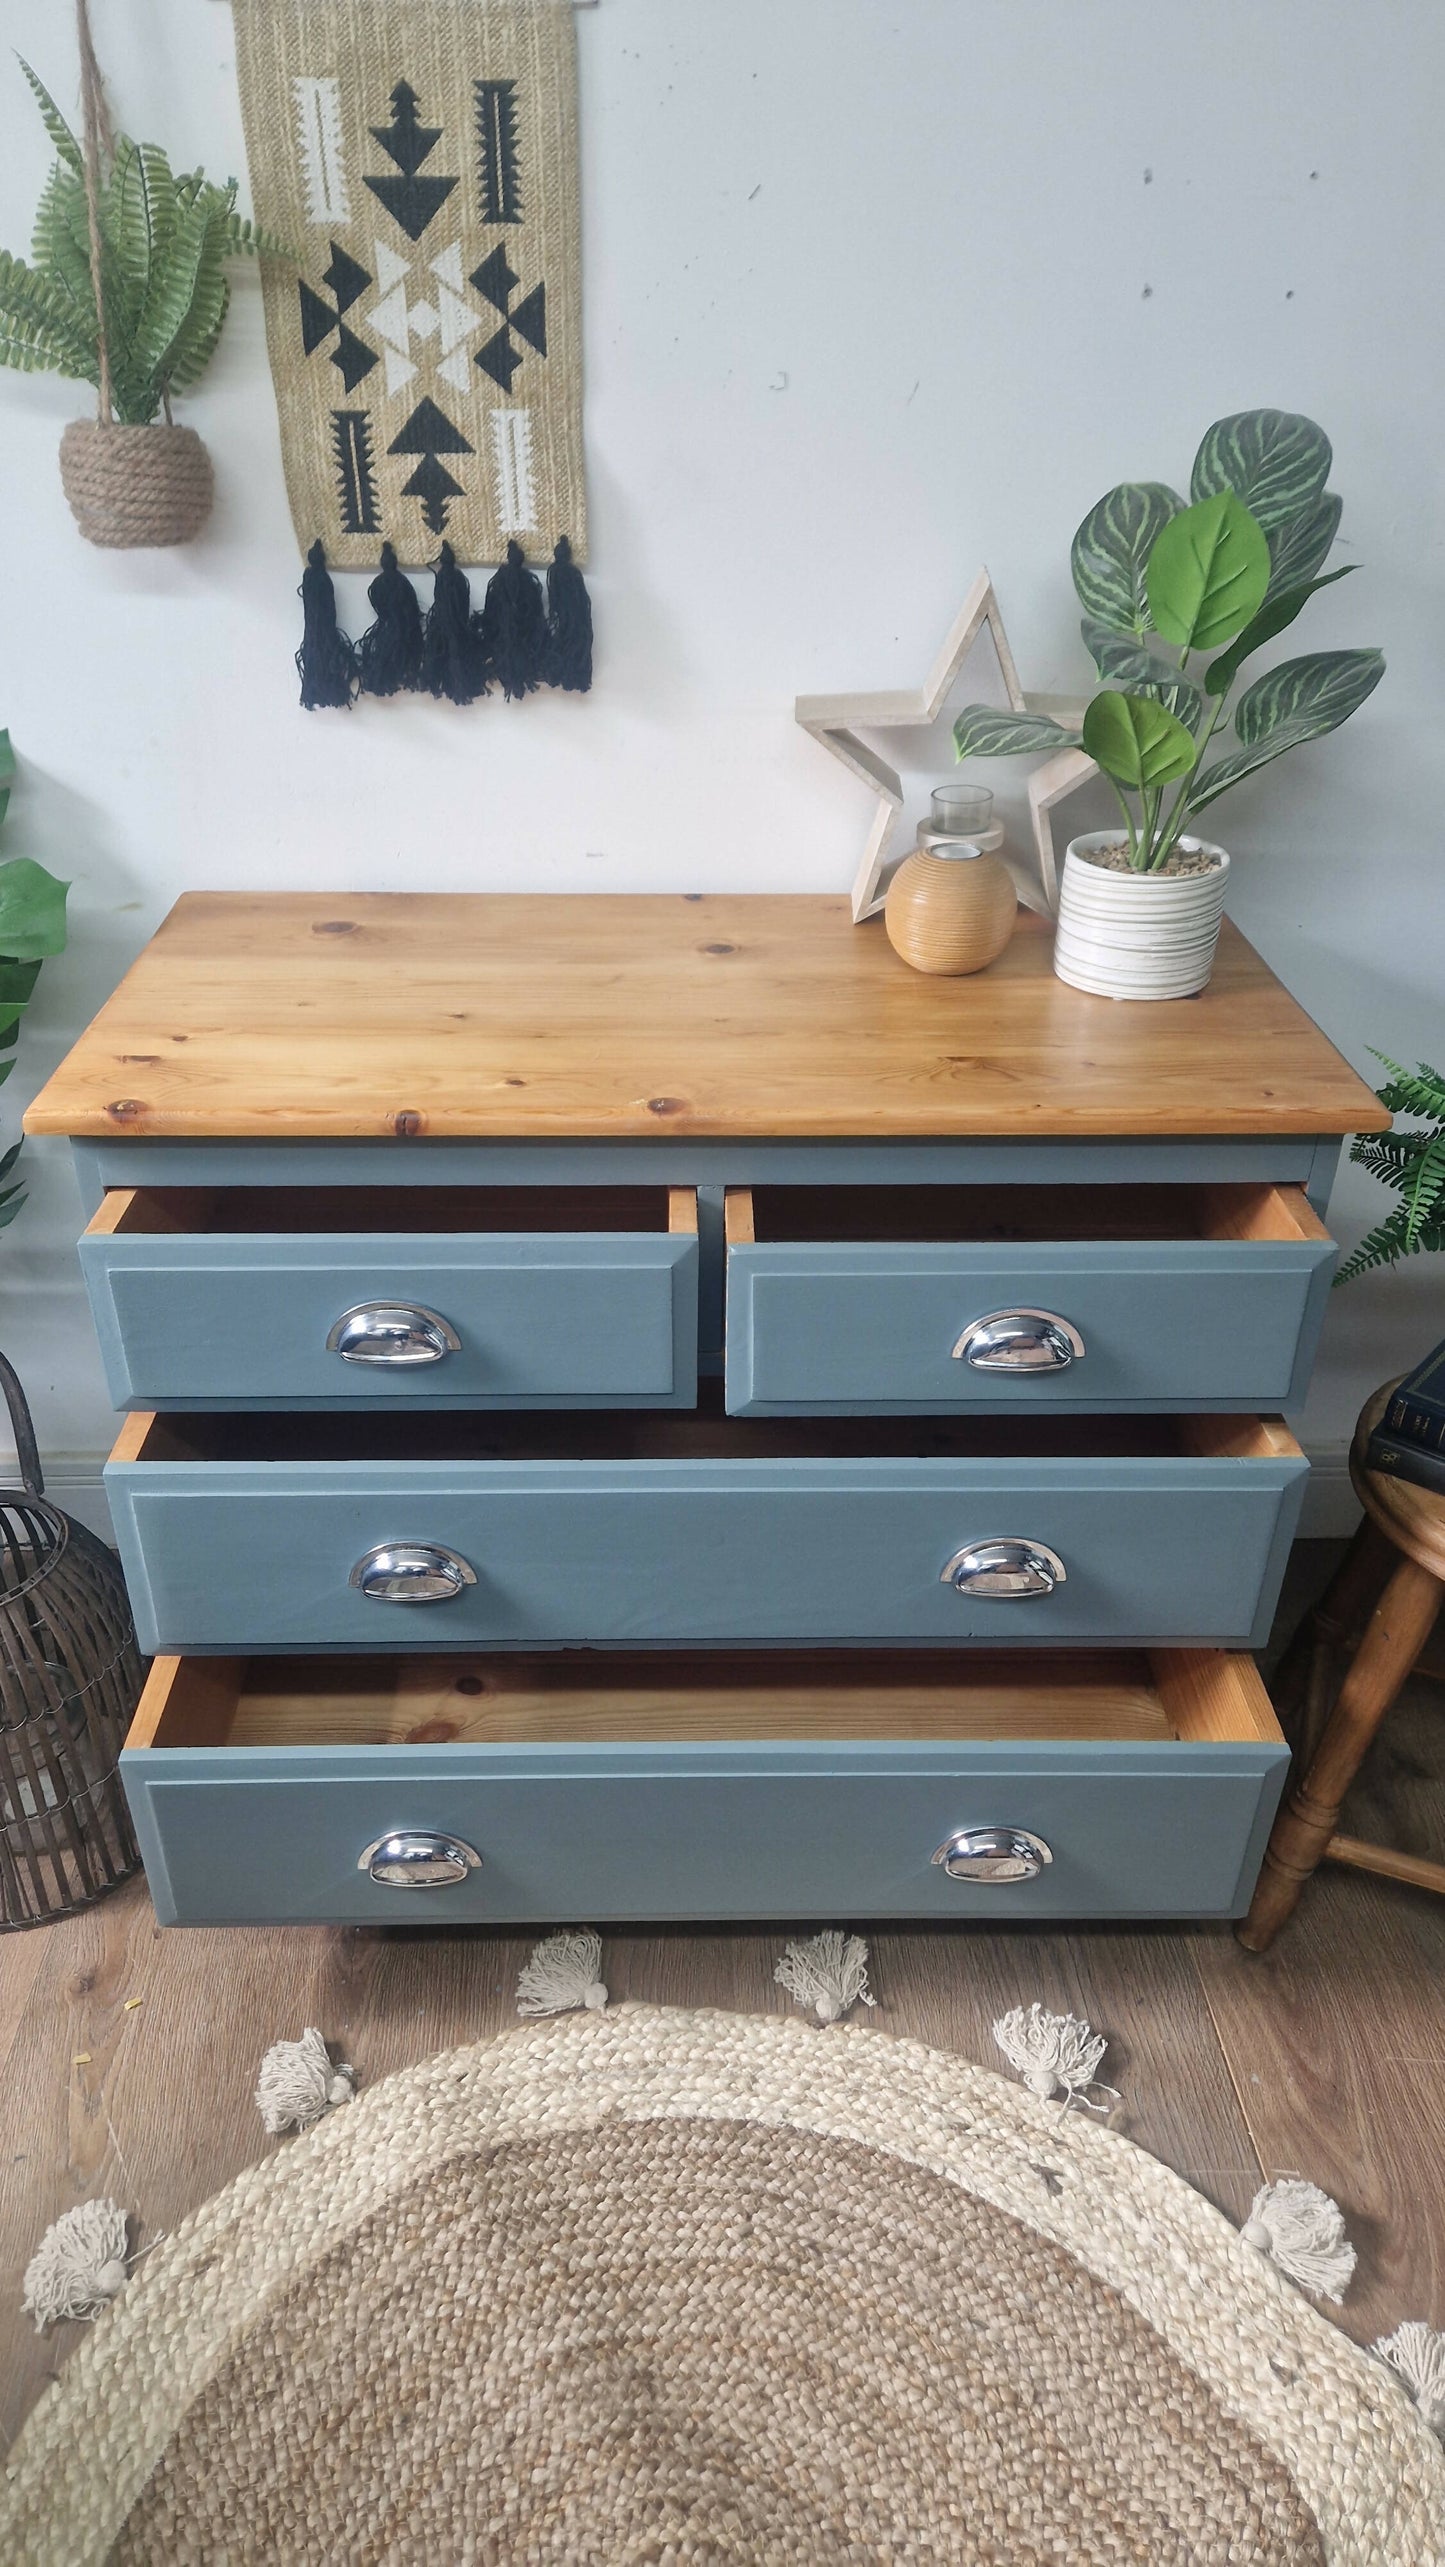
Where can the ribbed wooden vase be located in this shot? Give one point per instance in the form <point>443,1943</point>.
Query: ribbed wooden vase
<point>950,914</point>
<point>135,486</point>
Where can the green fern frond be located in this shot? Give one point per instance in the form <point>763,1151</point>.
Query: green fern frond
<point>1383,1246</point>
<point>1386,1155</point>
<point>36,313</point>
<point>126,224</point>
<point>245,239</point>
<point>28,348</point>
<point>173,287</point>
<point>165,237</point>
<point>1420,1091</point>
<point>54,123</point>
<point>195,342</point>
<point>1411,1163</point>
<point>1426,1188</point>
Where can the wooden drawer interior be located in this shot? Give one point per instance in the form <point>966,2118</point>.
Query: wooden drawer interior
<point>705,1434</point>
<point>339,1211</point>
<point>777,1215</point>
<point>1199,1697</point>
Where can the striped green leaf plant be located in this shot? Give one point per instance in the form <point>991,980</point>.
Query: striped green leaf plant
<point>1177,595</point>
<point>32,926</point>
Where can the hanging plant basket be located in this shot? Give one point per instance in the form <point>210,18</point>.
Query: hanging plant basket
<point>136,486</point>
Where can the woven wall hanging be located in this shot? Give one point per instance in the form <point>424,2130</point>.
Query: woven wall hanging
<point>420,156</point>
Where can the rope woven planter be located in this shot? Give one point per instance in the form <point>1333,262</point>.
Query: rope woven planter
<point>133,486</point>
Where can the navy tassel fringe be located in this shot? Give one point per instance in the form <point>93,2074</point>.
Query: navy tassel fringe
<point>569,623</point>
<point>391,648</point>
<point>453,663</point>
<point>326,661</point>
<point>521,638</point>
<point>513,626</point>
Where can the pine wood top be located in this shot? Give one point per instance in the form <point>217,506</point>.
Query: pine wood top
<point>280,1015</point>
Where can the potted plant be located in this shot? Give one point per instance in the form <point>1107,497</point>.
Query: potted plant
<point>1412,1163</point>
<point>1176,598</point>
<point>126,288</point>
<point>32,925</point>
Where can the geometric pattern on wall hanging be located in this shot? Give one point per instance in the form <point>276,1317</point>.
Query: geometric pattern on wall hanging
<point>839,723</point>
<point>420,157</point>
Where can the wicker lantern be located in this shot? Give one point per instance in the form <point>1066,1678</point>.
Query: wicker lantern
<point>70,1677</point>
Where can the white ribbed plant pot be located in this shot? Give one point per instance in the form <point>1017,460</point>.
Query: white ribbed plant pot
<point>1137,935</point>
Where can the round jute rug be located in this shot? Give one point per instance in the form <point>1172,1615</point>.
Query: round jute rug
<point>660,2287</point>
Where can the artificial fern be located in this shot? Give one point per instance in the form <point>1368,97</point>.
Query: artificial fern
<point>1413,1163</point>
<point>165,238</point>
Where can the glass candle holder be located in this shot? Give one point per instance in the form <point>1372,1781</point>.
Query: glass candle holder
<point>962,810</point>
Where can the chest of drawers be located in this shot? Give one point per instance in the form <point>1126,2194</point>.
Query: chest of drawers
<point>647,1408</point>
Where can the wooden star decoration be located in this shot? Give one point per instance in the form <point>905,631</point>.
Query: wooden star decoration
<point>838,720</point>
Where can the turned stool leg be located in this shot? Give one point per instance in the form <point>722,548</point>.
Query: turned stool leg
<point>1303,1688</point>
<point>1394,1637</point>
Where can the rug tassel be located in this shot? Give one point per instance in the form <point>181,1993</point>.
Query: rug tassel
<point>1299,2229</point>
<point>1055,2054</point>
<point>298,2081</point>
<point>326,661</point>
<point>569,623</point>
<point>452,663</point>
<point>390,650</point>
<point>79,2265</point>
<point>829,1975</point>
<point>512,627</point>
<point>564,1972</point>
<point>1417,2353</point>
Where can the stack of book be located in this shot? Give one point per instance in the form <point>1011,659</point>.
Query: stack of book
<point>1409,1441</point>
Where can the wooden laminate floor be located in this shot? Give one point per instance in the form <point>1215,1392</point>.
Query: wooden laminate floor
<point>1325,2058</point>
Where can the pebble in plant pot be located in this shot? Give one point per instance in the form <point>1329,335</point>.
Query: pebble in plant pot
<point>119,240</point>
<point>1177,597</point>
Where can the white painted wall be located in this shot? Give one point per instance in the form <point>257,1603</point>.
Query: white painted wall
<point>872,294</point>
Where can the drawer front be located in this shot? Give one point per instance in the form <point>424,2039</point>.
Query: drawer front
<point>228,1555</point>
<point>874,1326</point>
<point>254,1836</point>
<point>537,1321</point>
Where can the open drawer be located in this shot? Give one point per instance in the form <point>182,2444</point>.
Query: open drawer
<point>1092,1298</point>
<point>246,1530</point>
<point>456,1296</point>
<point>460,1790</point>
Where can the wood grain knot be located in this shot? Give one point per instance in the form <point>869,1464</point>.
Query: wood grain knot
<point>125,1109</point>
<point>141,1060</point>
<point>665,1105</point>
<point>470,1685</point>
<point>431,1733</point>
<point>719,949</point>
<point>333,927</point>
<point>407,1124</point>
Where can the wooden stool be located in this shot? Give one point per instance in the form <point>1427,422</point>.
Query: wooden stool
<point>1401,1541</point>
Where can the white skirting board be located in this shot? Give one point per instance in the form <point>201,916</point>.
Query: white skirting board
<point>1331,1509</point>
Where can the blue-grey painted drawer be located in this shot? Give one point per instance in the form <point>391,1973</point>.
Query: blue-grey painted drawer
<point>261,1801</point>
<point>1085,1298</point>
<point>517,1297</point>
<point>244,1533</point>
